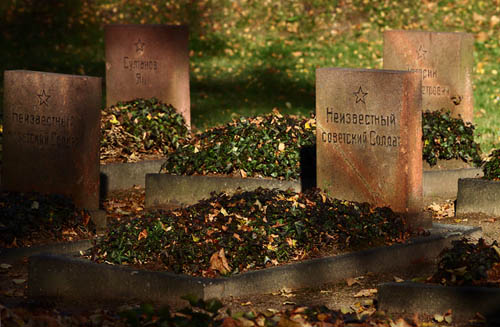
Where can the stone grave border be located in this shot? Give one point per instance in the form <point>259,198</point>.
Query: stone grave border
<point>74,280</point>
<point>477,195</point>
<point>164,190</point>
<point>413,297</point>
<point>170,190</point>
<point>12,255</point>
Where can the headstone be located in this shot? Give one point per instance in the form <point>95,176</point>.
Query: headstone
<point>444,61</point>
<point>145,61</point>
<point>52,135</point>
<point>369,137</point>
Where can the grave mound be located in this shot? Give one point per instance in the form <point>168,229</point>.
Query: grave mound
<point>140,129</point>
<point>226,235</point>
<point>262,146</point>
<point>28,219</point>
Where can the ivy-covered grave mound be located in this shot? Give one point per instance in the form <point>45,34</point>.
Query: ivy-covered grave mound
<point>262,146</point>
<point>225,235</point>
<point>28,219</point>
<point>469,264</point>
<point>140,129</point>
<point>491,167</point>
<point>446,138</point>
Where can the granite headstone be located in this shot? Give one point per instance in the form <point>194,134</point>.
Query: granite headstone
<point>145,61</point>
<point>52,135</point>
<point>369,137</point>
<point>444,61</point>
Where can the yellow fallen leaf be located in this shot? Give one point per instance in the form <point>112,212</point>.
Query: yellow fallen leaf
<point>366,292</point>
<point>113,120</point>
<point>494,20</point>
<point>223,211</point>
<point>398,280</point>
<point>281,146</point>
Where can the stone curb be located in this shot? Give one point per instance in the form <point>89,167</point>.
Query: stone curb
<point>477,195</point>
<point>443,184</point>
<point>122,176</point>
<point>163,190</point>
<point>10,255</point>
<point>67,279</point>
<point>414,297</point>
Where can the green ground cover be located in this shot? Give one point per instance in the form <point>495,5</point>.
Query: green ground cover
<point>250,57</point>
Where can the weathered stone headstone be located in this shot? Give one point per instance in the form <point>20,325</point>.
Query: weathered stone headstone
<point>369,137</point>
<point>444,61</point>
<point>52,135</point>
<point>144,61</point>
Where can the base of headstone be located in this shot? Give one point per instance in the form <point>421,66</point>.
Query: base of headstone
<point>419,220</point>
<point>99,219</point>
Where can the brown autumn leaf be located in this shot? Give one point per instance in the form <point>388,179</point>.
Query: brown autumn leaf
<point>143,234</point>
<point>399,323</point>
<point>494,273</point>
<point>86,218</point>
<point>219,262</point>
<point>351,281</point>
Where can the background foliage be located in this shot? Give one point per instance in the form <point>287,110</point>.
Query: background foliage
<point>248,57</point>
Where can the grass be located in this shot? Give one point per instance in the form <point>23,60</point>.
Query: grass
<point>249,57</point>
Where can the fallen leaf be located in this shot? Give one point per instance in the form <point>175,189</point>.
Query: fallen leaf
<point>494,20</point>
<point>246,303</point>
<point>143,234</point>
<point>351,281</point>
<point>346,310</point>
<point>229,322</point>
<point>398,280</point>
<point>281,146</point>
<point>19,281</point>
<point>5,266</point>
<point>399,323</point>
<point>243,173</point>
<point>86,218</point>
<point>366,292</point>
<point>219,262</point>
<point>438,318</point>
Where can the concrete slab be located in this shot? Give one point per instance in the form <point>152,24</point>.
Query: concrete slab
<point>164,190</point>
<point>18,254</point>
<point>477,195</point>
<point>443,184</point>
<point>431,299</point>
<point>67,279</point>
<point>122,176</point>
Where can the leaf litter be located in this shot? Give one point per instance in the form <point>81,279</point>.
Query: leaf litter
<point>229,234</point>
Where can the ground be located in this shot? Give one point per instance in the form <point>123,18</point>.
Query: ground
<point>345,295</point>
